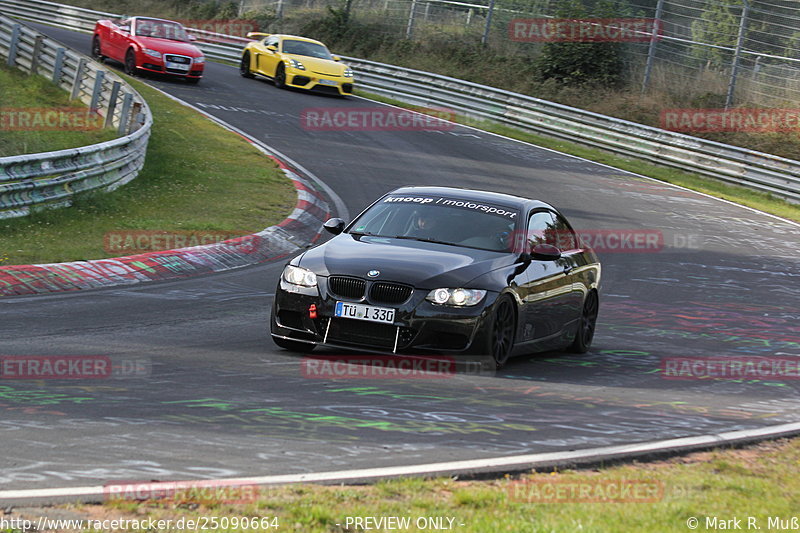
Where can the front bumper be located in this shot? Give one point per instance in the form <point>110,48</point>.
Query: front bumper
<point>313,81</point>
<point>151,64</point>
<point>419,325</point>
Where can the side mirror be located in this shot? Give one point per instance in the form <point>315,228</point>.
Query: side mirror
<point>272,48</point>
<point>334,225</point>
<point>545,252</point>
<point>336,58</point>
<point>125,29</point>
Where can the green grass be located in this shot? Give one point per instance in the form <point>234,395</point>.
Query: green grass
<point>761,481</point>
<point>740,195</point>
<point>34,94</point>
<point>197,177</point>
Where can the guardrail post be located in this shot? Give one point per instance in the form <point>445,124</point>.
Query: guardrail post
<point>78,80</point>
<point>12,48</point>
<point>488,27</point>
<point>651,51</point>
<point>137,110</point>
<point>37,50</point>
<point>99,76</point>
<point>124,116</point>
<point>410,25</point>
<point>59,65</point>
<point>112,104</point>
<point>737,54</point>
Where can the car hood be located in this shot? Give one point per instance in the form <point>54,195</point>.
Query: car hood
<point>320,66</point>
<point>421,264</point>
<point>165,46</point>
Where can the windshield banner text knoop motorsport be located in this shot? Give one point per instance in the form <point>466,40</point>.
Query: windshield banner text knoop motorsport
<point>453,202</point>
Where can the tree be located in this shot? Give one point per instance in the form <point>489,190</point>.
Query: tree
<point>585,62</point>
<point>719,26</point>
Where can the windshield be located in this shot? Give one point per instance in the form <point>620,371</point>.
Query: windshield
<point>305,48</point>
<point>452,221</point>
<point>161,29</point>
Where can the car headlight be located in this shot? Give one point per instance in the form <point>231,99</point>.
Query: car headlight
<point>198,60</point>
<point>299,276</point>
<point>152,53</point>
<point>296,64</point>
<point>457,297</point>
<point>348,73</point>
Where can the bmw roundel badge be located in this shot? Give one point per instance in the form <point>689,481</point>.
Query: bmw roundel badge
<point>374,273</point>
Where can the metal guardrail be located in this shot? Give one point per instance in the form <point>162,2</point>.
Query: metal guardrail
<point>51,179</point>
<point>732,164</point>
<point>740,166</point>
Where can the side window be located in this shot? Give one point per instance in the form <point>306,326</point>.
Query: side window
<point>540,226</point>
<point>565,236</point>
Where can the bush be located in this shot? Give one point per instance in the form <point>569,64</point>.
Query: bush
<point>584,63</point>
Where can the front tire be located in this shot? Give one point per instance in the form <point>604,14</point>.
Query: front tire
<point>500,338</point>
<point>192,81</point>
<point>280,77</point>
<point>293,346</point>
<point>244,66</point>
<point>130,63</point>
<point>586,327</point>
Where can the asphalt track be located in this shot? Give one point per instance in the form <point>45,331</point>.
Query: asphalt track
<point>219,399</point>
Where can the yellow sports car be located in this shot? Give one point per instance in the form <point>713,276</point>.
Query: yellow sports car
<point>292,61</point>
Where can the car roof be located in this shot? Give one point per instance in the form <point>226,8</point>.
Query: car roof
<point>158,19</point>
<point>473,194</point>
<point>297,38</point>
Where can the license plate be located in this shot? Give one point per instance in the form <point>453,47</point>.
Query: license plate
<point>177,66</point>
<point>364,312</point>
<point>327,82</point>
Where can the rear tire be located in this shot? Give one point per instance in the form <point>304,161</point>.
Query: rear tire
<point>244,66</point>
<point>280,77</point>
<point>96,50</point>
<point>293,346</point>
<point>586,327</point>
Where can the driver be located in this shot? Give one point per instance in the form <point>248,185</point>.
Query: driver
<point>424,224</point>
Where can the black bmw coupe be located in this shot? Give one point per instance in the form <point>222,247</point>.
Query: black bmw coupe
<point>444,270</point>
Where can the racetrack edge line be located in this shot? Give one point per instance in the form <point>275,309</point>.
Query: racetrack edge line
<point>491,465</point>
<point>287,237</point>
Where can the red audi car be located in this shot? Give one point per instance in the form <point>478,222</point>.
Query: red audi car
<point>146,44</point>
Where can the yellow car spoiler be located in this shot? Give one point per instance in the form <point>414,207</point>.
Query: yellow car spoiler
<point>257,35</point>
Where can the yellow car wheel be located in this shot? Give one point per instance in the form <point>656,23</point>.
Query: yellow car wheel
<point>244,66</point>
<point>280,77</point>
